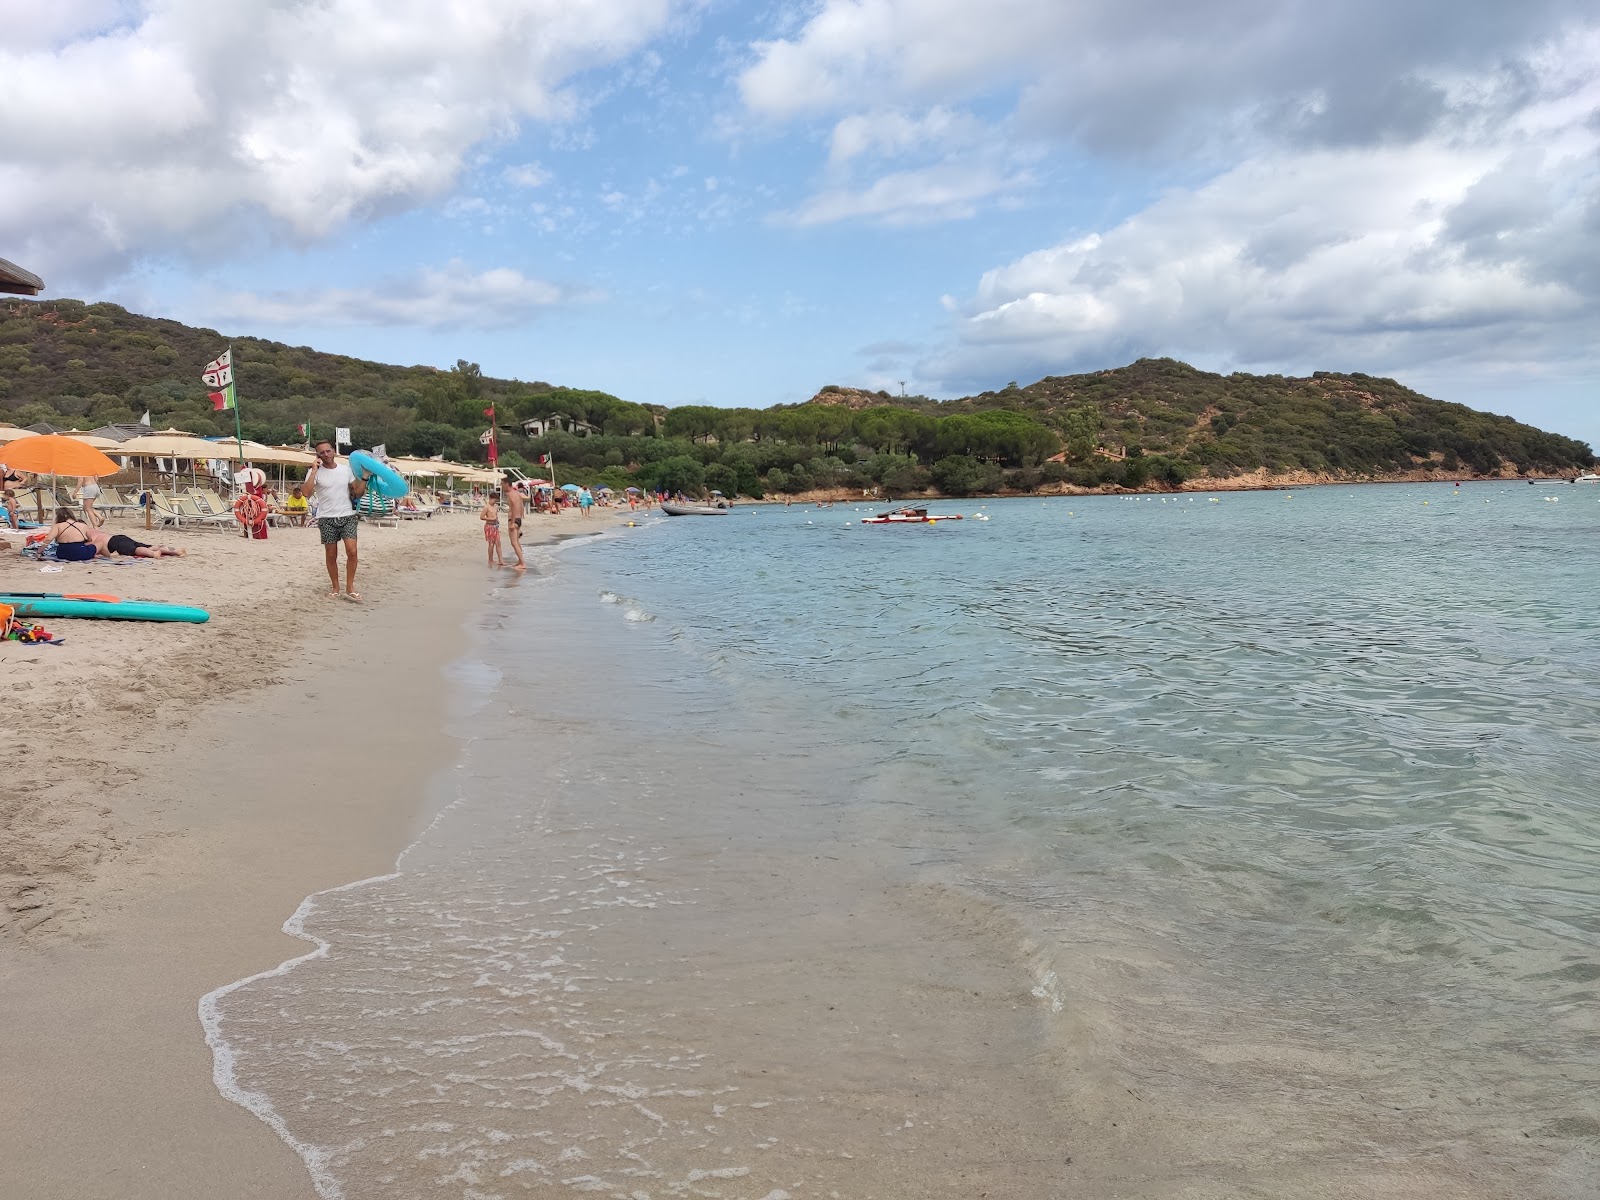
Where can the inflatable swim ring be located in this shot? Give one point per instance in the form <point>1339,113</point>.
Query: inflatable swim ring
<point>380,476</point>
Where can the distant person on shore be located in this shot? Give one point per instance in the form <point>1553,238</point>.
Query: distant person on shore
<point>585,502</point>
<point>331,482</point>
<point>516,506</point>
<point>489,514</point>
<point>8,500</point>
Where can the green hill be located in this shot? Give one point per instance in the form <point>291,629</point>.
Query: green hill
<point>1155,423</point>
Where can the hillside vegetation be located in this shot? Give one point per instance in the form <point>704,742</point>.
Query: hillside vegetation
<point>1155,423</point>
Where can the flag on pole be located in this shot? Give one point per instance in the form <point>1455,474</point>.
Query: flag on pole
<point>219,375</point>
<point>544,460</point>
<point>145,420</point>
<point>219,371</point>
<point>489,439</point>
<point>305,429</point>
<point>341,437</point>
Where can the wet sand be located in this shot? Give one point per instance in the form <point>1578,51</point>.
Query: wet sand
<point>171,795</point>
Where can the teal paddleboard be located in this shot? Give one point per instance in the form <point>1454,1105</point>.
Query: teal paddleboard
<point>105,610</point>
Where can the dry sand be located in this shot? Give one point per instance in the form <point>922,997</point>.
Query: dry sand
<point>171,793</point>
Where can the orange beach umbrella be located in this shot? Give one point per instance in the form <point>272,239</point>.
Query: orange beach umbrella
<point>52,454</point>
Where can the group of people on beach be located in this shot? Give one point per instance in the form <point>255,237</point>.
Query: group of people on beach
<point>330,495</point>
<point>76,540</point>
<point>489,514</point>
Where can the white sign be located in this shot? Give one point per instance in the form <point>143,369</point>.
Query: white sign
<point>341,437</point>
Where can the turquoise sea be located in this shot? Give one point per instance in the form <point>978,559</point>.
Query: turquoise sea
<point>1243,844</point>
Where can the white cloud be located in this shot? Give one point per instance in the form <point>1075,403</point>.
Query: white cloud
<point>1363,259</point>
<point>452,297</point>
<point>943,192</point>
<point>1175,74</point>
<point>192,125</point>
<point>528,175</point>
<point>893,133</point>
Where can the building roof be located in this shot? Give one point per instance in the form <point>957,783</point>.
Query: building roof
<point>14,279</point>
<point>122,431</point>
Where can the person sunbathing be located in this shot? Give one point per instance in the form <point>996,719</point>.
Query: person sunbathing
<point>74,539</point>
<point>122,544</point>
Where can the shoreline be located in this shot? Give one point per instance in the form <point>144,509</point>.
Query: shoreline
<point>163,886</point>
<point>1254,482</point>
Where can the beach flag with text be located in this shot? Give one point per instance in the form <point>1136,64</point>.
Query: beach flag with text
<point>489,439</point>
<point>219,375</point>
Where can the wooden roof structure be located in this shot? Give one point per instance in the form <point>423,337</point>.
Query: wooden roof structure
<point>17,281</point>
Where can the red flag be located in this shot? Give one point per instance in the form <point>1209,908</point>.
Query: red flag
<point>544,460</point>
<point>494,440</point>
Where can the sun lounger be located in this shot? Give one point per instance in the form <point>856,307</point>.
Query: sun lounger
<point>162,510</point>
<point>210,501</point>
<point>379,510</point>
<point>193,511</point>
<point>185,510</point>
<point>113,501</point>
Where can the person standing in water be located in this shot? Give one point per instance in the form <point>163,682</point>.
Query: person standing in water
<point>515,507</point>
<point>489,514</point>
<point>332,483</point>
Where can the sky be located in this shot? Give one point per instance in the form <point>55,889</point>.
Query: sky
<point>712,202</point>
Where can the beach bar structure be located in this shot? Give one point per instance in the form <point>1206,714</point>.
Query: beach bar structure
<point>18,282</point>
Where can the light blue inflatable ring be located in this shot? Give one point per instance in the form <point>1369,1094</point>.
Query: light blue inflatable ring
<point>381,477</point>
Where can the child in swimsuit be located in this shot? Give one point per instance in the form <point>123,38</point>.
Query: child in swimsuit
<point>490,516</point>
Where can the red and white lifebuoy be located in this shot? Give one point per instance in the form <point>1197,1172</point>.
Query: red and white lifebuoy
<point>250,511</point>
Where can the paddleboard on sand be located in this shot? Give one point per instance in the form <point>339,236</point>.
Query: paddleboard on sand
<point>105,610</point>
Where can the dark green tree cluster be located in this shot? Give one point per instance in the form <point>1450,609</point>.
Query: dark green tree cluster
<point>1152,424</point>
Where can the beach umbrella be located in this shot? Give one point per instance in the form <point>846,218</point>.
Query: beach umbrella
<point>283,456</point>
<point>54,454</point>
<point>168,443</point>
<point>633,490</point>
<point>570,487</point>
<point>10,433</point>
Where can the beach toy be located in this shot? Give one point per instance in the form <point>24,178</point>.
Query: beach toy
<point>379,476</point>
<point>108,610</point>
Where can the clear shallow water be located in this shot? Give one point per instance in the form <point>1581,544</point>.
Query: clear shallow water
<point>1264,828</point>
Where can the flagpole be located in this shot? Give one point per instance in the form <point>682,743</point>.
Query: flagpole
<point>233,387</point>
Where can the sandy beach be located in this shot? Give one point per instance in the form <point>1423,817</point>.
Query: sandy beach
<point>172,792</point>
